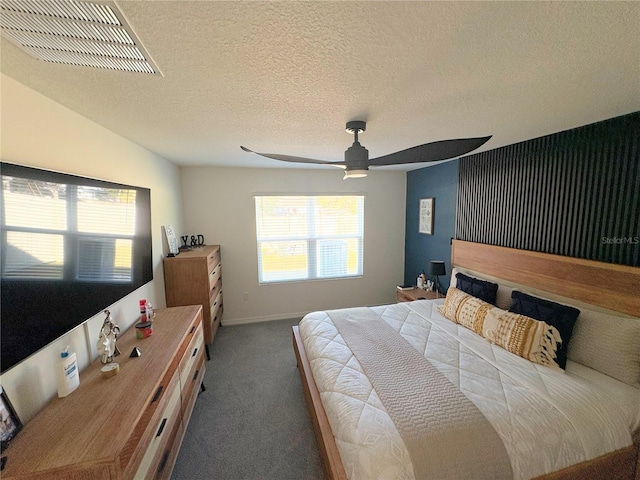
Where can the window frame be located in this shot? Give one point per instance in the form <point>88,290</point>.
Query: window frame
<point>313,239</point>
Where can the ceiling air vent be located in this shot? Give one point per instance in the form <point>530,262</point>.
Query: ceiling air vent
<point>75,32</point>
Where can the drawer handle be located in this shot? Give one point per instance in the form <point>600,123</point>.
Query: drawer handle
<point>195,375</point>
<point>164,422</point>
<point>215,303</point>
<point>158,393</point>
<point>192,329</point>
<point>194,352</point>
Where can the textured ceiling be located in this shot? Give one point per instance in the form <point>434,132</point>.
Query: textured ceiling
<point>285,77</point>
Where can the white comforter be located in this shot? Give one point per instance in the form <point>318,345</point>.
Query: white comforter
<point>547,419</point>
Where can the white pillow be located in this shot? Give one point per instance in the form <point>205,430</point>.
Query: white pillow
<point>608,344</point>
<point>503,297</point>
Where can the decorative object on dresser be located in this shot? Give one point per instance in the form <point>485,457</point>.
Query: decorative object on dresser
<point>123,426</point>
<point>107,340</point>
<point>414,293</point>
<point>195,278</point>
<point>172,242</point>
<point>436,268</point>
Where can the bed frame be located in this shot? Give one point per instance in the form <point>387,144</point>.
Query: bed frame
<point>617,289</point>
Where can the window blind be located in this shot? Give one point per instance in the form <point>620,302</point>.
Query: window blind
<point>309,237</point>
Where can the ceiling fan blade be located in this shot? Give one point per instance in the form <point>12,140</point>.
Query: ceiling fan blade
<point>289,158</point>
<point>431,152</point>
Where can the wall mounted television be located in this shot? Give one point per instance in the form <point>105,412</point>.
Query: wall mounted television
<point>70,247</point>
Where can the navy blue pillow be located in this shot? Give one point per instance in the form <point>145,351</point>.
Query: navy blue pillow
<point>560,316</point>
<point>485,291</point>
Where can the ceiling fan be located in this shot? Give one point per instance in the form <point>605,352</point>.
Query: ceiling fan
<point>356,159</point>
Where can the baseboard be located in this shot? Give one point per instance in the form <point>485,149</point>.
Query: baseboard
<point>266,318</point>
<point>279,316</point>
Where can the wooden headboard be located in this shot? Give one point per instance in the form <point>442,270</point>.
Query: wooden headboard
<point>615,287</point>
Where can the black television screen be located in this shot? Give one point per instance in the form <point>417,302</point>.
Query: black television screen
<point>70,247</point>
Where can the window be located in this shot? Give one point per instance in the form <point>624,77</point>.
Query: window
<point>309,237</point>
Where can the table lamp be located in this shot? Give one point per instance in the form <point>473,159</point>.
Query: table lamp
<point>436,268</point>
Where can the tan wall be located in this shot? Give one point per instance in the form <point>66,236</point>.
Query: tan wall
<point>218,203</point>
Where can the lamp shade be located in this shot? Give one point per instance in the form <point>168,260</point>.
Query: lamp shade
<point>436,267</point>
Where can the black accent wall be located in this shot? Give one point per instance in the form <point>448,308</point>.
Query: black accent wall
<point>575,193</point>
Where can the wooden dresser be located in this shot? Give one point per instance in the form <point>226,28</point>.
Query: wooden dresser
<point>127,426</point>
<point>195,278</point>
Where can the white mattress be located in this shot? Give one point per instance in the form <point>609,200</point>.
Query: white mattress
<point>547,419</point>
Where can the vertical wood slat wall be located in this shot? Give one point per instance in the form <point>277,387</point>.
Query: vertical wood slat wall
<point>575,193</point>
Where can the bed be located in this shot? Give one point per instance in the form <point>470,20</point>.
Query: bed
<point>530,419</point>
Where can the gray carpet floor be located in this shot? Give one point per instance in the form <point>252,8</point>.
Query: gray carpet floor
<point>252,421</point>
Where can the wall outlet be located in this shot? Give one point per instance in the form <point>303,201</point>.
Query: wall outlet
<point>245,295</point>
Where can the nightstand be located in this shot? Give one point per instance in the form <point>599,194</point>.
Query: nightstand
<point>416,294</point>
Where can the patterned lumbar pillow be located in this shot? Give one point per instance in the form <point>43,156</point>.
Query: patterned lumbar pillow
<point>465,309</point>
<point>527,337</point>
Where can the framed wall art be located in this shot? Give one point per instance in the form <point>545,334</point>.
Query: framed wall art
<point>425,222</point>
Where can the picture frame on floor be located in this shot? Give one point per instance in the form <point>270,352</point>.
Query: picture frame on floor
<point>10,424</point>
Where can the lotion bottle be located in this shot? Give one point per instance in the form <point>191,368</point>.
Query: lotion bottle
<point>68,375</point>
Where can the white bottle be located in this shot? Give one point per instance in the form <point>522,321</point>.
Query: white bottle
<point>68,375</point>
<point>420,282</point>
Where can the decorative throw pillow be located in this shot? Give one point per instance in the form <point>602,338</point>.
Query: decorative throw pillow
<point>563,317</point>
<point>529,338</point>
<point>525,336</point>
<point>481,289</point>
<point>467,310</point>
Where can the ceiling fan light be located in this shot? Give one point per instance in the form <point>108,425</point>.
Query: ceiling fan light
<point>355,174</point>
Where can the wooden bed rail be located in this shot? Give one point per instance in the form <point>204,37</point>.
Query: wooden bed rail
<point>324,435</point>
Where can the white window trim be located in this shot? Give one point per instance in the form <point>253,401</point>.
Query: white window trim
<point>313,239</point>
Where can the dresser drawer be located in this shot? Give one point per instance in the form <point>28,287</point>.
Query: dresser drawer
<point>163,425</point>
<point>213,259</point>
<point>171,450</point>
<point>193,356</point>
<point>217,288</point>
<point>214,275</point>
